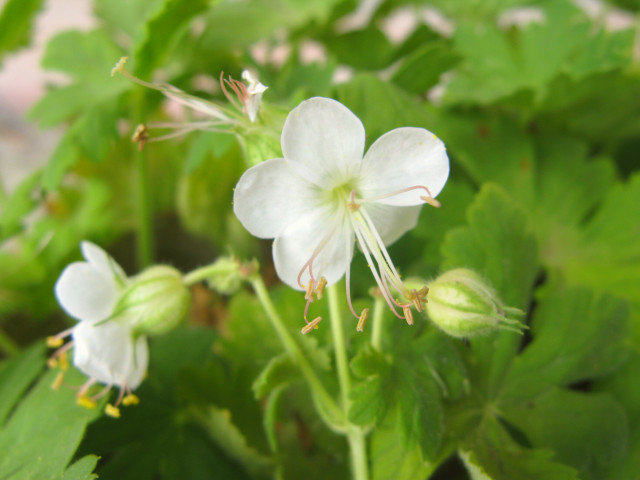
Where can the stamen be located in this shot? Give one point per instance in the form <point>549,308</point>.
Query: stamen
<point>427,198</point>
<point>408,315</point>
<point>308,265</point>
<point>101,394</point>
<point>140,136</point>
<point>319,290</point>
<point>54,342</point>
<point>353,206</point>
<point>362,320</point>
<point>112,411</point>
<point>130,399</point>
<point>85,402</point>
<point>85,387</point>
<point>312,325</point>
<point>308,296</point>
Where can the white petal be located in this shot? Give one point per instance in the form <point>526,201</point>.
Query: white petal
<point>392,222</point>
<point>101,260</point>
<point>271,196</point>
<point>403,158</point>
<point>85,292</point>
<point>295,246</point>
<point>108,354</point>
<point>324,140</point>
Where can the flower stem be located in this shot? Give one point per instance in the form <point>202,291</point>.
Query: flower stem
<point>355,435</point>
<point>199,274</point>
<point>144,237</point>
<point>377,321</point>
<point>294,350</point>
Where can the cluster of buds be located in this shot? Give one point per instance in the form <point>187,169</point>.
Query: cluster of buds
<point>464,305</point>
<point>115,314</point>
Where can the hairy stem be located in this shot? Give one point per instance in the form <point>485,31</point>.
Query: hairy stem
<point>294,350</point>
<point>355,435</point>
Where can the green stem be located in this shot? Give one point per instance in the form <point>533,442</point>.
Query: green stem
<point>377,323</point>
<point>199,274</point>
<point>144,237</point>
<point>355,435</point>
<point>7,345</point>
<point>294,350</point>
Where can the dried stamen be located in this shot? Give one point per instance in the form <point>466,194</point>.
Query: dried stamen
<point>362,320</point>
<point>408,314</point>
<point>313,324</point>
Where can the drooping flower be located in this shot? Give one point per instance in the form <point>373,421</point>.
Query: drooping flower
<point>104,345</point>
<point>245,98</point>
<point>325,195</point>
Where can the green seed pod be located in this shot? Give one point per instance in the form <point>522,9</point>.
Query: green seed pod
<point>155,302</point>
<point>463,305</point>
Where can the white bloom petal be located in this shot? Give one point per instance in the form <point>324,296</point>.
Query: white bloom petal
<point>403,158</point>
<point>101,260</point>
<point>108,353</point>
<point>85,292</point>
<point>295,246</point>
<point>271,196</point>
<point>324,141</point>
<point>392,222</point>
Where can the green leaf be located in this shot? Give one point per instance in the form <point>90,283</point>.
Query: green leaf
<point>82,469</point>
<point>498,244</point>
<point>366,49</point>
<point>490,454</point>
<point>586,431</point>
<point>16,375</point>
<point>564,42</point>
<point>366,95</point>
<point>45,414</point>
<point>577,335</point>
<point>160,30</point>
<point>16,23</point>
<point>391,460</point>
<point>23,200</point>
<point>422,68</point>
<point>218,424</point>
<point>279,371</point>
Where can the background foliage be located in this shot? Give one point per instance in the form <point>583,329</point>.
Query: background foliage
<point>542,125</point>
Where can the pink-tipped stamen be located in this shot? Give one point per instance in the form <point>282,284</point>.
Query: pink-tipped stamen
<point>85,387</point>
<point>428,198</point>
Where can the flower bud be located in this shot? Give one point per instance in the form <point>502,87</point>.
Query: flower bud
<point>226,275</point>
<point>463,304</point>
<point>156,301</point>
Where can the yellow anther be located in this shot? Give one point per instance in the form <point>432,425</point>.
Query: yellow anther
<point>54,342</point>
<point>130,399</point>
<point>431,201</point>
<point>64,362</point>
<point>319,290</point>
<point>112,411</point>
<point>52,362</point>
<point>362,320</point>
<point>85,402</point>
<point>308,296</point>
<point>57,383</point>
<point>119,66</point>
<point>313,324</point>
<point>408,314</point>
<point>140,135</point>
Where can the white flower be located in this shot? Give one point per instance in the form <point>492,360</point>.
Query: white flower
<point>88,291</point>
<point>255,89</point>
<point>104,347</point>
<point>324,194</point>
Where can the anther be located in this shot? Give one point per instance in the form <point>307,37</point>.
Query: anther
<point>362,320</point>
<point>320,286</point>
<point>57,383</point>
<point>431,201</point>
<point>85,402</point>
<point>308,296</point>
<point>112,411</point>
<point>64,362</point>
<point>54,342</point>
<point>140,135</point>
<point>312,325</point>
<point>130,399</point>
<point>52,362</point>
<point>408,314</point>
<point>119,66</point>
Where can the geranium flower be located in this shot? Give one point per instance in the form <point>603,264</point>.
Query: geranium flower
<point>324,195</point>
<point>104,348</point>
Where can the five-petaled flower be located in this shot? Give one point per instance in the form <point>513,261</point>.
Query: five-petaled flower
<point>104,347</point>
<point>324,195</point>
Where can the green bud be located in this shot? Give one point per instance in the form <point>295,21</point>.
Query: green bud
<point>155,302</point>
<point>463,304</point>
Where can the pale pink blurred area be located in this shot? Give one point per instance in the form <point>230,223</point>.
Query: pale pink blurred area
<point>24,147</point>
